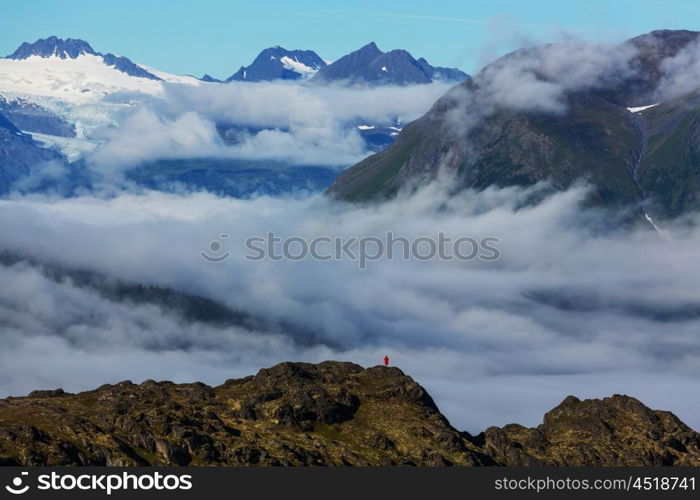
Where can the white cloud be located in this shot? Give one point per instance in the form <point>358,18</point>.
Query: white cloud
<point>567,309</point>
<point>680,73</point>
<point>538,79</point>
<point>146,136</point>
<point>302,124</point>
<point>570,307</point>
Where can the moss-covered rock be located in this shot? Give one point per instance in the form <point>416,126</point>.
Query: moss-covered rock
<point>332,413</point>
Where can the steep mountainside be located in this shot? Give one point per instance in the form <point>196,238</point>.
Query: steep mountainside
<point>332,413</point>
<point>594,139</point>
<point>369,65</point>
<point>669,169</point>
<point>645,158</point>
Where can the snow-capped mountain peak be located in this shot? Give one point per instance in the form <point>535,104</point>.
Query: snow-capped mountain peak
<point>278,63</point>
<point>72,71</point>
<point>60,91</point>
<point>73,49</point>
<point>70,48</point>
<point>369,65</point>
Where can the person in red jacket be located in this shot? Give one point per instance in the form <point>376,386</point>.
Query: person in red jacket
<point>386,360</point>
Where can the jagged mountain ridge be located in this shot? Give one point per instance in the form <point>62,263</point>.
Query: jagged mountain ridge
<point>598,139</point>
<point>369,65</point>
<point>332,413</point>
<point>53,46</point>
<point>62,91</point>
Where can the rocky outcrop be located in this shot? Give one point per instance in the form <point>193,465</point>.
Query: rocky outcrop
<point>332,413</point>
<point>615,431</point>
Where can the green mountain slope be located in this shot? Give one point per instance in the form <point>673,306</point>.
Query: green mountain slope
<point>636,159</point>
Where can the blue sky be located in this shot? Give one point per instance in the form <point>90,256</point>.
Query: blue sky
<point>217,36</point>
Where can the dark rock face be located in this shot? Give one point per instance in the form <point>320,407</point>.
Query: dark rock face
<point>370,65</point>
<point>332,413</point>
<point>9,127</point>
<point>397,67</point>
<point>644,160</point>
<point>276,63</point>
<point>125,65</point>
<point>53,46</point>
<point>71,48</point>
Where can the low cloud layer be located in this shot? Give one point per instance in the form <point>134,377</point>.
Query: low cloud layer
<point>296,123</point>
<point>568,308</point>
<point>572,307</point>
<point>681,73</point>
<point>538,79</point>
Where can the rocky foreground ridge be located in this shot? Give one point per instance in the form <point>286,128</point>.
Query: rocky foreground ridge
<point>332,413</point>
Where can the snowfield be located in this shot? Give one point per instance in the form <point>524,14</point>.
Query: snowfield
<point>639,109</point>
<point>85,79</point>
<point>83,91</point>
<point>153,118</point>
<point>301,68</point>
